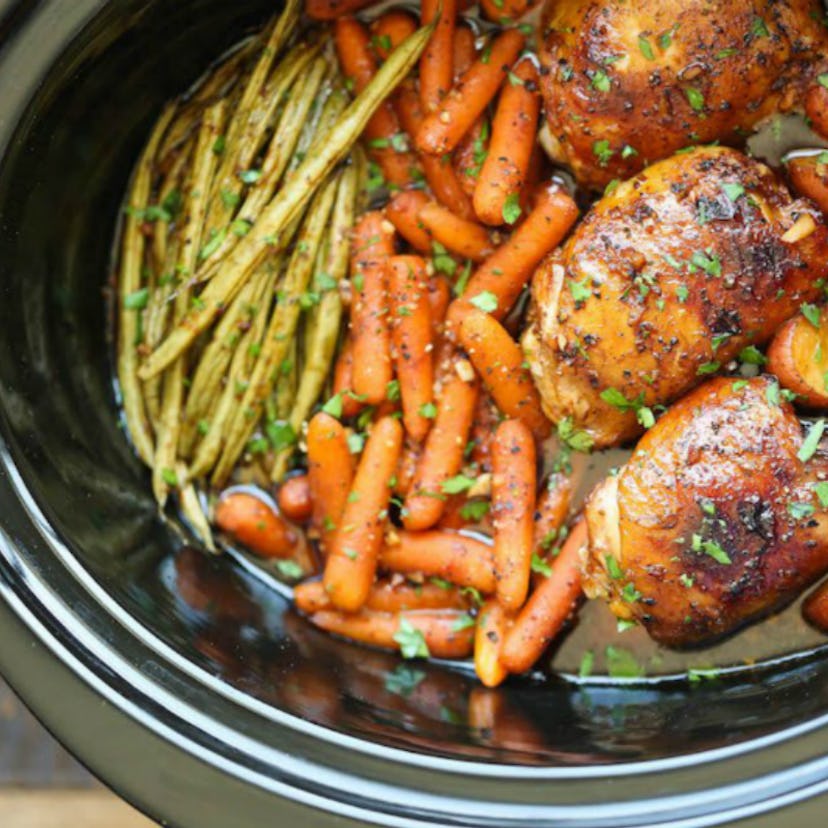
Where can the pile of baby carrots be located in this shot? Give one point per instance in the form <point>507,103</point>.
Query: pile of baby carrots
<point>422,489</point>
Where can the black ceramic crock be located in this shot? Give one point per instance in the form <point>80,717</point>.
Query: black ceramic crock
<point>186,683</point>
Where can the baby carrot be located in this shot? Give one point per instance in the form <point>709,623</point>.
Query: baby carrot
<point>373,245</point>
<point>514,481</point>
<point>253,523</point>
<point>506,166</point>
<point>464,50</point>
<point>412,337</point>
<point>332,9</point>
<point>403,212</point>
<point>442,129</point>
<point>459,559</point>
<point>407,467</point>
<point>486,418</point>
<point>439,172</point>
<point>442,455</point>
<point>501,365</point>
<point>386,596</point>
<point>343,380</point>
<point>353,46</point>
<point>465,238</point>
<point>352,559</point>
<point>548,607</point>
<point>470,154</point>
<point>391,29</point>
<point>506,272</point>
<point>439,296</point>
<point>436,69</point>
<point>488,639</point>
<point>421,633</point>
<point>330,472</point>
<point>500,10</point>
<point>295,499</point>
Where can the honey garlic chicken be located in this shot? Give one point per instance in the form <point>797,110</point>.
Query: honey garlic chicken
<point>629,83</point>
<point>664,281</point>
<point>716,519</point>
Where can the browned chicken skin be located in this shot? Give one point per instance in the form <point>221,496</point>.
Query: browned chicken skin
<point>716,480</point>
<point>664,281</point>
<point>629,83</point>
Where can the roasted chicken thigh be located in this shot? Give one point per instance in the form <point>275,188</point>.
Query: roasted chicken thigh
<point>717,518</point>
<point>629,83</point>
<point>666,280</point>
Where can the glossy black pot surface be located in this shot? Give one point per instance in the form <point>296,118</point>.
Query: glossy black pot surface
<point>187,683</point>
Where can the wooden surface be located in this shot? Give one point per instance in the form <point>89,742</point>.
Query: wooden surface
<point>42,786</point>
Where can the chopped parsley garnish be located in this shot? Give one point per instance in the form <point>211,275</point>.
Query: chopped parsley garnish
<point>600,81</point>
<point>621,663</point>
<point>411,640</point>
<point>695,98</point>
<point>602,151</point>
<point>645,47</point>
<point>580,290</point>
<point>821,491</point>
<point>485,301</point>
<point>751,355</point>
<point>811,313</point>
<point>474,510</point>
<point>511,208</point>
<point>137,300</point>
<point>428,410</point>
<point>289,569</point>
<point>458,483</point>
<point>573,437</point>
<point>540,566</point>
<point>811,442</point>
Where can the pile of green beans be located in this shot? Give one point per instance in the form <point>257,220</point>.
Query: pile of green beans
<point>233,246</point>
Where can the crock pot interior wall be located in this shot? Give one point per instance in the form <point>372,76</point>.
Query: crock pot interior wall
<point>60,188</point>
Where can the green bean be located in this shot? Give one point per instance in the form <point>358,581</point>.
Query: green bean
<point>171,184</point>
<point>325,317</point>
<point>129,287</point>
<point>191,509</point>
<point>208,450</point>
<point>281,330</point>
<point>294,116</point>
<point>204,167</point>
<point>254,300</point>
<point>217,83</point>
<point>240,151</point>
<point>287,204</point>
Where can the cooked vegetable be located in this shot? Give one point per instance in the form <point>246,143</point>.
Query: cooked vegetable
<point>459,559</point>
<point>330,474</point>
<point>798,355</point>
<point>386,596</point>
<point>436,71</point>
<point>255,524</point>
<point>418,634</point>
<point>294,499</point>
<point>444,127</point>
<point>507,271</point>
<point>382,132</point>
<point>442,455</point>
<point>373,245</point>
<point>514,480</point>
<point>514,127</point>
<point>465,238</point>
<point>501,365</point>
<point>352,558</point>
<point>403,211</point>
<point>439,172</point>
<point>132,296</point>
<point>548,607</point>
<point>390,30</point>
<point>268,230</point>
<point>492,625</point>
<point>412,336</point>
